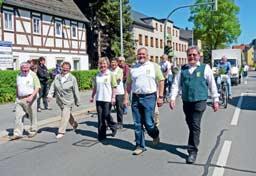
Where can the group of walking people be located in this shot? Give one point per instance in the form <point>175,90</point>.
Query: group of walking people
<point>115,85</point>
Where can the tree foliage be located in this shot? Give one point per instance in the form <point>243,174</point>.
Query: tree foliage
<point>109,16</point>
<point>216,29</point>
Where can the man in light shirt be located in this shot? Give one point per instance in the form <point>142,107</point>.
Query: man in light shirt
<point>194,79</point>
<point>142,83</point>
<point>27,88</point>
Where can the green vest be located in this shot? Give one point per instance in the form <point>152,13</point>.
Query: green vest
<point>194,86</point>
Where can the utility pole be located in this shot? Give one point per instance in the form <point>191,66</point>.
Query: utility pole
<point>121,28</point>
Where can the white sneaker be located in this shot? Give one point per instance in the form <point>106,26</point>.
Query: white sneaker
<point>60,135</point>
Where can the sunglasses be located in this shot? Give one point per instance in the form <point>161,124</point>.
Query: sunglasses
<point>192,54</point>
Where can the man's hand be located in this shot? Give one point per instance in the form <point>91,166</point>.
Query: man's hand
<point>113,101</point>
<point>215,106</point>
<point>91,100</point>
<point>172,104</point>
<point>29,99</point>
<point>126,102</point>
<point>159,102</point>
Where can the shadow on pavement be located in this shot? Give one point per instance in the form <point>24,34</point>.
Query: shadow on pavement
<point>247,104</point>
<point>49,129</point>
<point>95,124</point>
<point>169,148</point>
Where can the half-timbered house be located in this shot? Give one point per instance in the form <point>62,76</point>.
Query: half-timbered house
<point>55,29</point>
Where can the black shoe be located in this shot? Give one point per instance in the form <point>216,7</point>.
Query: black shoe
<point>191,158</point>
<point>113,132</point>
<point>101,138</point>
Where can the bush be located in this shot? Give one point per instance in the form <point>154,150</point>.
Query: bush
<point>84,78</point>
<point>8,86</point>
<point>8,83</point>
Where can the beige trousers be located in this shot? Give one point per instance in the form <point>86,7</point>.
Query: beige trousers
<point>23,108</point>
<point>66,117</point>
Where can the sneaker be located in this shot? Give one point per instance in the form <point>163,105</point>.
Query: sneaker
<point>32,134</point>
<point>156,140</point>
<point>15,137</point>
<point>230,97</point>
<point>39,109</point>
<point>60,135</point>
<point>48,108</point>
<point>138,151</point>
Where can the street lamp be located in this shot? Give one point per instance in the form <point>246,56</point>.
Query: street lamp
<point>121,28</point>
<point>214,4</point>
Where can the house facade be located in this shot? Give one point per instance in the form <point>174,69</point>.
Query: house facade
<point>149,32</point>
<point>53,29</point>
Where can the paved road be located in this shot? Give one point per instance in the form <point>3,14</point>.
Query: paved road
<point>227,146</point>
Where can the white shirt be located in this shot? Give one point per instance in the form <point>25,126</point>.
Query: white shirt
<point>208,75</point>
<point>25,84</point>
<point>246,68</point>
<point>118,72</point>
<point>104,86</point>
<point>143,78</point>
<point>64,78</point>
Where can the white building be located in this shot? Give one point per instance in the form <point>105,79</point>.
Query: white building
<point>54,29</point>
<point>149,32</point>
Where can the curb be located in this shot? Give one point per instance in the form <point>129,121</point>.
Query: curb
<point>50,120</point>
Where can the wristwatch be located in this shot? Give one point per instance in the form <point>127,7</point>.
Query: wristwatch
<point>161,97</point>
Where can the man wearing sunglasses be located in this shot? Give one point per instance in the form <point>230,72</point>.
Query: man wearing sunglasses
<point>194,79</point>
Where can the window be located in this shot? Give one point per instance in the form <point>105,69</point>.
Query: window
<point>156,43</point>
<point>59,60</point>
<point>58,28</point>
<point>74,31</point>
<point>152,58</point>
<point>161,28</point>
<point>36,25</point>
<point>76,64</point>
<point>146,40</point>
<point>156,26</point>
<point>161,43</point>
<point>8,20</point>
<point>151,41</point>
<point>140,39</point>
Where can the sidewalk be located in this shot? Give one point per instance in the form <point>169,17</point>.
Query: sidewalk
<point>45,116</point>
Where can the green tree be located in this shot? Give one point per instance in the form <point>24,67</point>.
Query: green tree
<point>109,16</point>
<point>216,29</point>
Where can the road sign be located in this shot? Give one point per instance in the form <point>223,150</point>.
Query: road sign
<point>6,58</point>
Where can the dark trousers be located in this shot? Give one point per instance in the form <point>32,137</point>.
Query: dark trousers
<point>119,108</point>
<point>194,112</point>
<point>43,94</point>
<point>104,118</point>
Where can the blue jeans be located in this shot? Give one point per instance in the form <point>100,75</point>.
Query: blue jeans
<point>143,108</point>
<point>228,82</point>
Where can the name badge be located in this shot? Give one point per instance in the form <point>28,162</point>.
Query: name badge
<point>198,74</point>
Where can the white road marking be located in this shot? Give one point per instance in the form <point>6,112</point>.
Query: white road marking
<point>237,111</point>
<point>222,160</point>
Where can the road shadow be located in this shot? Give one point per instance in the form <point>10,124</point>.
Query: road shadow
<point>49,129</point>
<point>247,104</point>
<point>171,148</point>
<point>119,143</point>
<point>95,124</point>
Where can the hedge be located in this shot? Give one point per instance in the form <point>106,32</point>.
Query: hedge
<point>8,83</point>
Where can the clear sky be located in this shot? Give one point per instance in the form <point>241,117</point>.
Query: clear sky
<point>161,8</point>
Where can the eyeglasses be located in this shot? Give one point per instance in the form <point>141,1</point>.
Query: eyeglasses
<point>192,55</point>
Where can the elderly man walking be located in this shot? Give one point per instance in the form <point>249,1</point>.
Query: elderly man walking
<point>194,79</point>
<point>142,83</point>
<point>27,88</point>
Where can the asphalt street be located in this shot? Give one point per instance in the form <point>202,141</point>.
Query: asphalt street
<point>227,145</point>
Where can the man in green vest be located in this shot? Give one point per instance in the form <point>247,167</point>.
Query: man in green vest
<point>194,79</point>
